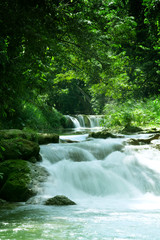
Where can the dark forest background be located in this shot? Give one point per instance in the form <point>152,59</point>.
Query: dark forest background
<point>79,56</point>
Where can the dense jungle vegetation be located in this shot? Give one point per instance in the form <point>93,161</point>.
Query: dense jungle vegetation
<point>79,56</point>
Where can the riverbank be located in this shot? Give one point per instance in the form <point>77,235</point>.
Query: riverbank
<point>20,173</point>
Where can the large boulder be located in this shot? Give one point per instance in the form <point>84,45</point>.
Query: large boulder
<point>19,149</point>
<point>59,200</point>
<point>21,180</point>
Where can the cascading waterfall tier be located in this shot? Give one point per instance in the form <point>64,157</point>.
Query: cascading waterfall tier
<point>99,168</point>
<point>84,121</point>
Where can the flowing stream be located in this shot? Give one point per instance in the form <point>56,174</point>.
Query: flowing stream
<point>84,121</point>
<point>116,188</point>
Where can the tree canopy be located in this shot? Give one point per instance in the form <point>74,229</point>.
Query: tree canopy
<point>76,55</point>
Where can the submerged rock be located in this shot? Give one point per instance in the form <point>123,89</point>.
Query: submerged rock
<point>21,180</point>
<point>59,200</point>
<point>19,149</point>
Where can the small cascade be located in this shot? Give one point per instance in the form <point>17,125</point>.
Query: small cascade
<point>99,168</point>
<point>94,120</point>
<point>84,121</point>
<point>80,118</point>
<point>73,122</point>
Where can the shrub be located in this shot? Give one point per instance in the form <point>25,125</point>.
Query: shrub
<point>139,113</point>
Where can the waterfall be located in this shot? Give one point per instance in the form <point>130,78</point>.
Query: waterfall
<point>73,122</point>
<point>81,121</point>
<point>100,168</point>
<point>95,120</point>
<point>84,121</point>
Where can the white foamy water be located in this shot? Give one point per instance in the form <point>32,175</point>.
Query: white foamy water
<point>116,188</point>
<point>85,121</point>
<point>100,169</point>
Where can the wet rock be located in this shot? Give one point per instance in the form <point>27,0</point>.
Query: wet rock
<point>17,133</point>
<point>69,123</point>
<point>21,180</point>
<point>68,141</point>
<point>131,129</point>
<point>141,141</point>
<point>19,149</point>
<point>40,138</point>
<point>133,141</point>
<point>2,202</point>
<point>103,134</point>
<point>59,200</point>
<point>45,138</point>
<point>152,130</point>
<point>157,146</point>
<point>86,121</point>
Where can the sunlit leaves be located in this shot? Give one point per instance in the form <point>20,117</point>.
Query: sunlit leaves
<point>66,76</point>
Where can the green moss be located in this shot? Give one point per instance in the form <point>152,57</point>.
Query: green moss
<point>16,180</point>
<point>44,138</point>
<point>41,138</point>
<point>16,133</point>
<point>59,200</point>
<point>103,134</point>
<point>18,149</point>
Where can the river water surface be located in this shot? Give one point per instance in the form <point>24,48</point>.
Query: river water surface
<point>116,188</point>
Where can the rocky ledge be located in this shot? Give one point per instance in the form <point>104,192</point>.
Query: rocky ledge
<point>143,141</point>
<point>104,134</point>
<point>20,173</point>
<point>18,148</point>
<point>20,180</point>
<point>40,138</point>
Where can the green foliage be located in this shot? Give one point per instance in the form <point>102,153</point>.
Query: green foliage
<point>42,117</point>
<point>138,113</point>
<point>75,57</point>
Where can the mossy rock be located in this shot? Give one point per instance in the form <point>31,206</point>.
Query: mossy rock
<point>40,138</point>
<point>59,200</point>
<point>45,138</point>
<point>103,134</point>
<point>17,133</point>
<point>69,123</point>
<point>141,141</point>
<point>21,180</point>
<point>2,202</point>
<point>18,149</point>
<point>131,129</point>
<point>133,141</point>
